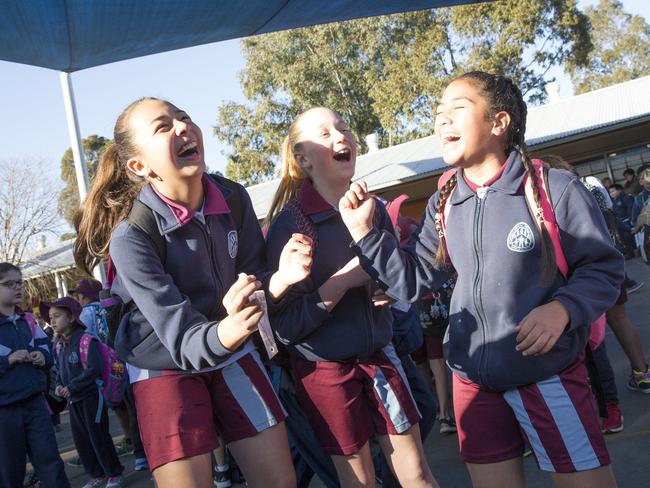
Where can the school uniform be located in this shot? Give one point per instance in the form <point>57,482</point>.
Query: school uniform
<point>494,244</point>
<point>25,424</point>
<point>186,384</point>
<point>341,357</point>
<point>88,409</point>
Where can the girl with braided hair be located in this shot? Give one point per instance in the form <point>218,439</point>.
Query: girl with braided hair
<point>518,328</point>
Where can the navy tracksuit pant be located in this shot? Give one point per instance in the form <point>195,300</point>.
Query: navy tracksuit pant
<point>26,428</point>
<point>93,439</point>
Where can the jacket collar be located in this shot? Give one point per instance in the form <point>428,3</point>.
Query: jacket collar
<point>509,183</point>
<point>171,215</point>
<point>310,200</point>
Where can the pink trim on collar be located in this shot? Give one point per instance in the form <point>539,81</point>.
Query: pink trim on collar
<point>214,202</point>
<point>310,200</point>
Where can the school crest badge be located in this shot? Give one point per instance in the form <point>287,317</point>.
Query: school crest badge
<point>521,238</point>
<point>233,243</point>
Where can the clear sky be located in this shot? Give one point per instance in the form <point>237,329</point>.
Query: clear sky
<point>196,79</point>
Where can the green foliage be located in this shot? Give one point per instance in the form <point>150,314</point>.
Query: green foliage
<point>69,196</point>
<point>621,48</point>
<point>384,74</point>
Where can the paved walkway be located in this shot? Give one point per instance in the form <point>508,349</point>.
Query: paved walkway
<point>630,449</point>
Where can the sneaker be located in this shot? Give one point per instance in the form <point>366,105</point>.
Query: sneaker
<point>140,464</point>
<point>614,421</point>
<point>221,479</point>
<point>640,381</point>
<point>31,481</point>
<point>115,482</point>
<point>447,425</point>
<point>75,463</point>
<point>633,286</point>
<point>94,483</point>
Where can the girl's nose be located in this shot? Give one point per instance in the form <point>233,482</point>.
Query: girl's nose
<point>180,126</point>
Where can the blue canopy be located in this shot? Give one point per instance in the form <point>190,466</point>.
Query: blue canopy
<point>70,35</point>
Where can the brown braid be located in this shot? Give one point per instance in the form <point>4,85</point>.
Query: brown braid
<point>503,95</point>
<point>445,191</point>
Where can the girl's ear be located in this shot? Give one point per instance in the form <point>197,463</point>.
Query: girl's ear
<point>138,167</point>
<point>500,123</point>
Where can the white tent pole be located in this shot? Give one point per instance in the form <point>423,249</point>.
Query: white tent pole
<point>77,152</point>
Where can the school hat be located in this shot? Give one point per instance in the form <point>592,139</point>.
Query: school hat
<point>70,304</point>
<point>89,288</point>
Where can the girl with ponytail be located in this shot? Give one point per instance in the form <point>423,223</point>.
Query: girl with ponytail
<point>517,328</point>
<point>349,380</point>
<point>186,333</point>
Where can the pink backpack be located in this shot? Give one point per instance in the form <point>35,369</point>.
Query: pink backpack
<point>113,380</point>
<point>597,333</point>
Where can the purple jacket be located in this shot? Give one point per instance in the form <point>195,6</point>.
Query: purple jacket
<point>494,244</point>
<point>179,301</point>
<point>354,328</point>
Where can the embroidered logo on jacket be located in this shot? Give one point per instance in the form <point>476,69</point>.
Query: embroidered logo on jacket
<point>521,238</point>
<point>232,243</point>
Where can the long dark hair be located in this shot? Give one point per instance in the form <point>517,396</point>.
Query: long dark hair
<point>503,95</point>
<point>111,196</point>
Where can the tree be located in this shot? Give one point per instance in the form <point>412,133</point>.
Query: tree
<point>621,48</point>
<point>26,208</point>
<point>69,196</point>
<point>384,74</point>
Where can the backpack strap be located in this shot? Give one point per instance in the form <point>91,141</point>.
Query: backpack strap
<point>84,345</point>
<point>31,321</point>
<point>303,222</point>
<point>142,217</point>
<point>548,215</point>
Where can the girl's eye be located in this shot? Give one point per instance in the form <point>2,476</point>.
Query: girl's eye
<point>162,127</point>
<point>324,134</point>
<point>458,107</point>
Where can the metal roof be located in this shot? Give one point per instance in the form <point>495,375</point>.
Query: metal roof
<point>621,104</point>
<point>58,257</point>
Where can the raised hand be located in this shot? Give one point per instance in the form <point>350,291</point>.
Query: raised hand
<point>295,260</point>
<point>357,208</point>
<point>541,328</point>
<point>243,316</point>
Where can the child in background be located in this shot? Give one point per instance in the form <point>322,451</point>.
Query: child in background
<point>25,424</point>
<point>518,329</point>
<point>78,383</point>
<point>93,314</point>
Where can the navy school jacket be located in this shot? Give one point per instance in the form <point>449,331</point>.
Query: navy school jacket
<point>21,380</point>
<point>494,244</point>
<point>354,328</point>
<point>179,301</point>
<point>80,381</point>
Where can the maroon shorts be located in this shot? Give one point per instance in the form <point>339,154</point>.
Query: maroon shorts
<point>349,402</point>
<point>180,415</point>
<point>557,417</point>
<point>431,349</point>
